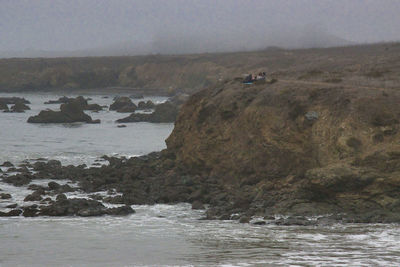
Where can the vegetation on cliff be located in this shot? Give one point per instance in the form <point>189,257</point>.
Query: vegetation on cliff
<point>371,65</point>
<point>298,149</point>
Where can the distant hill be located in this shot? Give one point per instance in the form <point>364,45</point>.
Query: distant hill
<point>170,44</point>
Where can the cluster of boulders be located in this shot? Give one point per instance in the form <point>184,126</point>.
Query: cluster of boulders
<point>71,111</point>
<point>19,105</point>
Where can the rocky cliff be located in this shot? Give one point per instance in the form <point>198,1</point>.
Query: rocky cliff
<point>294,148</point>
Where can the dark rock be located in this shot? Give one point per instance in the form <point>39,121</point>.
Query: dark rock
<point>3,106</point>
<point>30,211</point>
<point>244,219</point>
<point>123,104</point>
<point>299,221</point>
<point>93,107</point>
<point>7,164</point>
<point>53,185</point>
<point>18,179</point>
<point>165,112</point>
<point>12,206</point>
<point>97,121</point>
<point>197,205</point>
<point>70,112</point>
<point>115,200</point>
<point>120,211</point>
<point>76,206</point>
<point>5,196</point>
<point>121,126</point>
<point>11,213</point>
<point>13,100</point>
<point>259,223</point>
<point>36,196</point>
<point>146,105</point>
<point>61,197</point>
<point>19,107</point>
<point>61,100</point>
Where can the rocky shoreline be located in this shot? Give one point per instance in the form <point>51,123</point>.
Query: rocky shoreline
<point>311,155</point>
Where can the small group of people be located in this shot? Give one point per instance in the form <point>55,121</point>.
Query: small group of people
<point>253,77</point>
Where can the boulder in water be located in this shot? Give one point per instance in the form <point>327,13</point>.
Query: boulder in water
<point>19,107</point>
<point>123,104</point>
<point>70,112</point>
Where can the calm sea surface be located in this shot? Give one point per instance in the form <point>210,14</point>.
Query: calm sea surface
<point>160,235</point>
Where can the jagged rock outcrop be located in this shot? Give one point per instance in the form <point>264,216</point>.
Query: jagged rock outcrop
<point>165,112</point>
<point>69,112</point>
<point>294,149</point>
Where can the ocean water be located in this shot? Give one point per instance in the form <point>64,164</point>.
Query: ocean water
<point>159,235</point>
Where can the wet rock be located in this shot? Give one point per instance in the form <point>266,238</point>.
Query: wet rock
<point>116,200</point>
<point>5,196</point>
<point>163,113</point>
<point>19,107</point>
<point>61,197</point>
<point>30,211</point>
<point>18,179</point>
<point>3,106</point>
<point>7,164</point>
<point>53,185</point>
<point>11,213</point>
<point>70,112</point>
<point>76,206</point>
<point>35,196</point>
<point>299,221</point>
<point>13,100</point>
<point>61,100</point>
<point>197,205</point>
<point>259,223</point>
<point>244,219</point>
<point>121,126</point>
<point>93,107</point>
<point>145,105</point>
<point>123,104</point>
<point>12,206</point>
<point>120,211</point>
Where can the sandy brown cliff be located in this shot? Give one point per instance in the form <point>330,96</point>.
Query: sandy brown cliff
<point>295,148</point>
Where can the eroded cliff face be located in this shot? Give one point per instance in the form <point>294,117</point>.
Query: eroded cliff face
<point>302,149</point>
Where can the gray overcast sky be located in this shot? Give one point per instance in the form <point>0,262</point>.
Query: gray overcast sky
<point>200,24</point>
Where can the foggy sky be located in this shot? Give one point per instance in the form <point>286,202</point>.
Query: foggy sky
<point>185,26</point>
